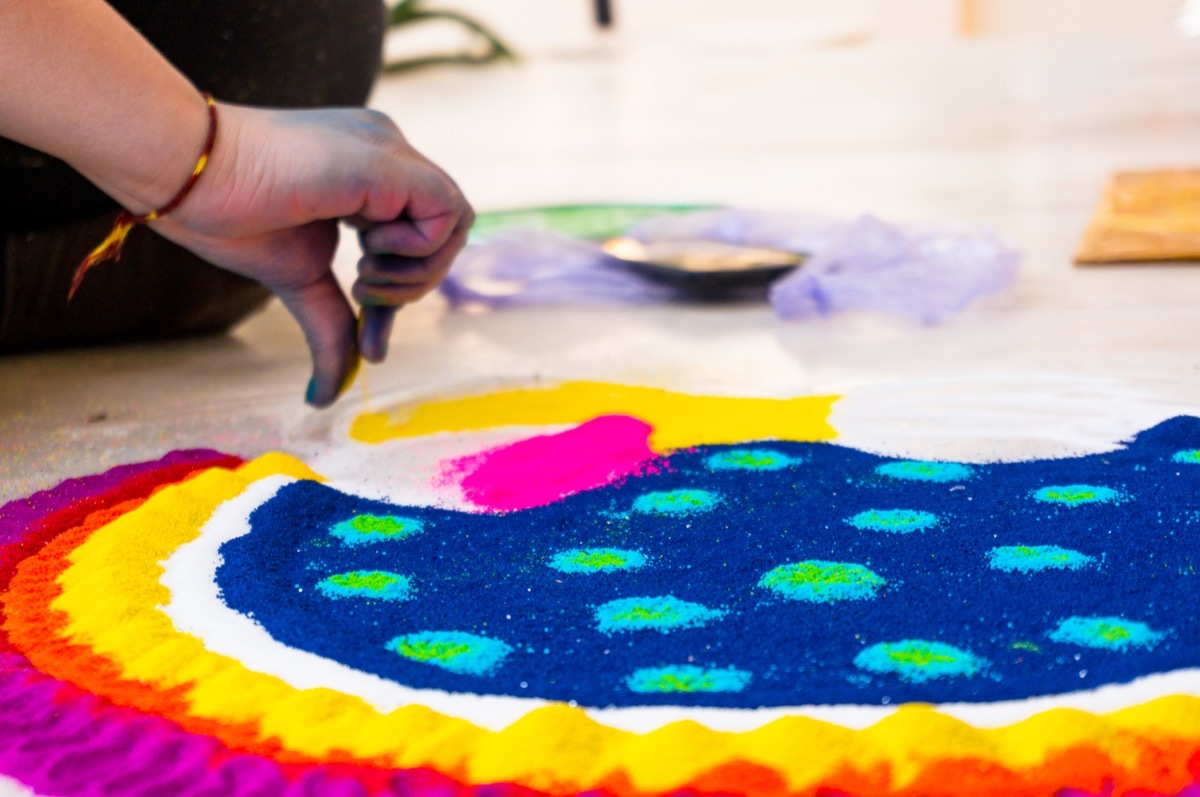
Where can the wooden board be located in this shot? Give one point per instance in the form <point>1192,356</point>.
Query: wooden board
<point>1145,217</point>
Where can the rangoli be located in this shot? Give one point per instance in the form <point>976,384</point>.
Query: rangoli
<point>635,592</point>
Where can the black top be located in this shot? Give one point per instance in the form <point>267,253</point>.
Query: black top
<point>278,53</point>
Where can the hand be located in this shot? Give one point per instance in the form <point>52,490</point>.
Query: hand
<point>268,207</point>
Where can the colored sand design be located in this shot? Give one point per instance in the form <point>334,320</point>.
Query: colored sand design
<point>494,574</point>
<point>376,584</point>
<point>370,529</point>
<point>663,614</point>
<point>1076,494</point>
<point>751,459</point>
<point>596,560</point>
<point>686,679</point>
<point>894,521</point>
<point>916,470</point>
<point>1106,633</point>
<point>102,694</point>
<point>675,503</point>
<point>1036,558</point>
<point>819,581</point>
<point>917,660</point>
<point>455,651</point>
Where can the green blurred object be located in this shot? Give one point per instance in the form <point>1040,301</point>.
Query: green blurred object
<point>595,222</point>
<point>408,12</point>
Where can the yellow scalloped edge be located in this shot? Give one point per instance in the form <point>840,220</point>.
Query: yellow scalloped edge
<point>111,593</point>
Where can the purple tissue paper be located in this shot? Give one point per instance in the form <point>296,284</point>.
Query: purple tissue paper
<point>926,275</point>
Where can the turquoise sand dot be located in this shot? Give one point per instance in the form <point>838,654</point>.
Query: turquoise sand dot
<point>1035,558</point>
<point>367,529</point>
<point>922,471</point>
<point>1106,633</point>
<point>675,502</point>
<point>896,521</point>
<point>686,678</point>
<point>917,660</point>
<point>456,651</point>
<point>597,560</point>
<point>377,584</point>
<point>751,459</point>
<point>1191,457</point>
<point>1076,494</point>
<point>818,581</point>
<point>662,614</point>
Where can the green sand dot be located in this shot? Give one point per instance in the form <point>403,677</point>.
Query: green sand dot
<point>750,459</point>
<point>597,560</point>
<point>1076,494</point>
<point>818,581</point>
<point>455,651</point>
<point>377,584</point>
<point>895,521</point>
<point>918,660</point>
<point>1106,633</point>
<point>1190,457</point>
<point>686,678</point>
<point>1035,558</point>
<point>924,471</point>
<point>658,613</point>
<point>675,503</point>
<point>369,529</point>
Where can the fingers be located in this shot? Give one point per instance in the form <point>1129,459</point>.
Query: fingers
<point>388,281</point>
<point>328,322</point>
<point>374,332</point>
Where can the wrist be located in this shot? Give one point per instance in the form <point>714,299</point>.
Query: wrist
<point>161,153</point>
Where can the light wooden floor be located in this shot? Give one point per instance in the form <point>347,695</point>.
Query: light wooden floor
<point>1018,135</point>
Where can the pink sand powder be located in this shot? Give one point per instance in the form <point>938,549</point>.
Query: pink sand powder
<point>541,470</point>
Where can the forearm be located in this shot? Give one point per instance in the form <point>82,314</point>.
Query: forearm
<point>79,83</point>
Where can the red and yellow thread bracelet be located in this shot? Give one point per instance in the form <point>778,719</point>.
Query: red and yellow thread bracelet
<point>110,247</point>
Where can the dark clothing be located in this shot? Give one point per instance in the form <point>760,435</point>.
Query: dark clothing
<point>274,53</point>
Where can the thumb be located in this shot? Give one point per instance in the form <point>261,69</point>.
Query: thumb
<point>328,322</point>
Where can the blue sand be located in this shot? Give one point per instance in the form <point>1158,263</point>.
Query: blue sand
<point>1077,494</point>
<point>366,529</point>
<point>372,584</point>
<point>687,678</point>
<point>490,576</point>
<point>1035,558</point>
<point>751,459</point>
<point>820,581</point>
<point>894,521</point>
<point>454,651</point>
<point>596,560</point>
<point>1106,633</point>
<point>1190,457</point>
<point>675,502</point>
<point>917,660</point>
<point>921,471</point>
<point>663,614</point>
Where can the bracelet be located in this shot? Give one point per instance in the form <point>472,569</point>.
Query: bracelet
<point>110,247</point>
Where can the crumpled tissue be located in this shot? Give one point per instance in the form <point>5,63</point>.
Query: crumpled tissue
<point>924,274</point>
